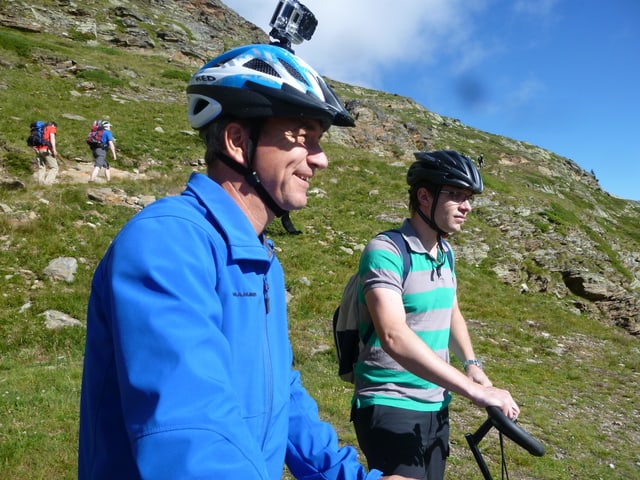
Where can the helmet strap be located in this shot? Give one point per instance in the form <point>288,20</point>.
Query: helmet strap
<point>430,221</point>
<point>441,235</point>
<point>250,175</point>
<point>254,181</point>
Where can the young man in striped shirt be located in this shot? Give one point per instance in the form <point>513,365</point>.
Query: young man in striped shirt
<point>403,378</point>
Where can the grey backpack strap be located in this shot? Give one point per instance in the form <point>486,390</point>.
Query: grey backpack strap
<point>397,238</point>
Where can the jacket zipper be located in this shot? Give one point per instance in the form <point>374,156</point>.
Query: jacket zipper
<point>267,360</point>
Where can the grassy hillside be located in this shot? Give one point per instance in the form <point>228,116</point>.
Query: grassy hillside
<point>575,378</point>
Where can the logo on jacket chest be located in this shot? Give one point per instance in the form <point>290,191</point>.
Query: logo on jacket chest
<point>245,294</point>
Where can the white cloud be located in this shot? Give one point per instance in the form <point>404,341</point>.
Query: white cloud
<point>360,40</point>
<point>535,7</point>
<point>417,42</point>
<point>525,92</point>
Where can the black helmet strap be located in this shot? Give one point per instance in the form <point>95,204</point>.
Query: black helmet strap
<point>251,175</point>
<point>430,221</point>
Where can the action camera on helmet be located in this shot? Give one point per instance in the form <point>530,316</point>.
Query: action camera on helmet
<point>292,22</point>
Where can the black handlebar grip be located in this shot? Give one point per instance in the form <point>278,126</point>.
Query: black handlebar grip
<point>512,430</point>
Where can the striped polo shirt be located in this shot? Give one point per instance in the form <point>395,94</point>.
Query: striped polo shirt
<point>428,298</point>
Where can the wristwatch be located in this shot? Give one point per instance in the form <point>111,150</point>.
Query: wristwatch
<point>472,361</point>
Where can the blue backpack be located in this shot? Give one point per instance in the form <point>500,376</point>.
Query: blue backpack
<point>36,137</point>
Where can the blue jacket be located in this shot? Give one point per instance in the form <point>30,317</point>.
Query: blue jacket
<point>187,370</point>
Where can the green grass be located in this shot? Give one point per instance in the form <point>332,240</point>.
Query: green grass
<point>575,378</point>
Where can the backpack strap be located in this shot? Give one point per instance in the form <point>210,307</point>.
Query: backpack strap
<point>449,253</point>
<point>401,243</point>
<point>397,238</point>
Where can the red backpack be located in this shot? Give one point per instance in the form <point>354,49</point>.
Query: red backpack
<point>94,138</point>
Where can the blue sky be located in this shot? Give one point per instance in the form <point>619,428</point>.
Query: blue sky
<point>560,74</point>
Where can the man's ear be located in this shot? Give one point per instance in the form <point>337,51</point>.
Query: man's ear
<point>424,197</point>
<point>236,142</point>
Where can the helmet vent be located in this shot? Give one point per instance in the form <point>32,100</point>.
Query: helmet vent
<point>199,106</point>
<point>262,67</point>
<point>293,72</point>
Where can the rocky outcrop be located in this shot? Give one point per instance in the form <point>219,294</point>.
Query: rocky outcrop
<point>188,31</point>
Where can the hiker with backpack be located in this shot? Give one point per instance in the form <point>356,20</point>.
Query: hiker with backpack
<point>100,139</point>
<point>403,378</point>
<point>188,367</point>
<point>43,141</point>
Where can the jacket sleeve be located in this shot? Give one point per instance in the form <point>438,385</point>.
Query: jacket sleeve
<point>313,452</point>
<point>182,415</point>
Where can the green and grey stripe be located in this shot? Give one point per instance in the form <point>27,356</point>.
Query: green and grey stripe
<point>428,298</point>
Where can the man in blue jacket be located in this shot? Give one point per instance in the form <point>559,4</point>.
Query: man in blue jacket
<point>188,367</point>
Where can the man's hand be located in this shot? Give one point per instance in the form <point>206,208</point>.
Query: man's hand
<point>497,397</point>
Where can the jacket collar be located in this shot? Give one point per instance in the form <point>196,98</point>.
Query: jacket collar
<point>229,220</point>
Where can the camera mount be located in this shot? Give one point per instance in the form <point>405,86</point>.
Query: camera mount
<point>291,22</point>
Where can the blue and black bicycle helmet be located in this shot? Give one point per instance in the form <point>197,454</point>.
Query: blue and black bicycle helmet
<point>439,168</point>
<point>256,82</point>
<point>259,81</point>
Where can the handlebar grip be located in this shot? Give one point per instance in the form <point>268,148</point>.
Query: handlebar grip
<point>512,430</point>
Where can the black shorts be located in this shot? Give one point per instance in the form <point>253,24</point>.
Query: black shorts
<point>403,442</point>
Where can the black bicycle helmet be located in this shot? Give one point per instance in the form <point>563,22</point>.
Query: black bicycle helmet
<point>439,168</point>
<point>445,167</point>
<point>259,81</point>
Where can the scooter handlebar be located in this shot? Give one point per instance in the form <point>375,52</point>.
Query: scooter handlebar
<point>512,430</point>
